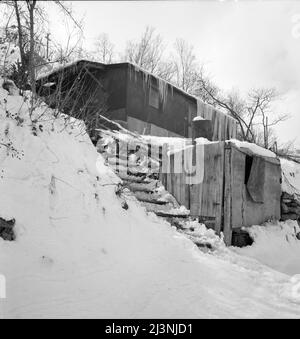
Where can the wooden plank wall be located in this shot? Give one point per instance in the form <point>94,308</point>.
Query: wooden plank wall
<point>146,128</point>
<point>222,200</point>
<point>245,211</point>
<point>205,199</point>
<point>227,212</point>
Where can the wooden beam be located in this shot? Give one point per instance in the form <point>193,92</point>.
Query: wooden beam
<point>227,226</point>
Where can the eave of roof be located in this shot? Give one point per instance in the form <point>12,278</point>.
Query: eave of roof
<point>102,66</point>
<point>75,64</point>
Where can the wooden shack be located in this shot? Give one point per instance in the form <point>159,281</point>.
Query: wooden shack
<point>238,186</point>
<point>140,101</point>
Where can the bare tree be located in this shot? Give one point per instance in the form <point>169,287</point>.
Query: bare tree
<point>68,12</point>
<point>17,18</point>
<point>204,88</point>
<point>147,52</point>
<point>20,32</point>
<point>104,49</point>
<point>72,48</point>
<point>28,39</point>
<point>31,6</point>
<point>69,52</point>
<point>30,19</point>
<point>185,65</point>
<point>166,70</point>
<point>252,113</point>
<point>259,108</point>
<point>288,150</point>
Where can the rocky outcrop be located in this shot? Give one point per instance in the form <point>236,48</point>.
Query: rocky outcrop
<point>290,207</point>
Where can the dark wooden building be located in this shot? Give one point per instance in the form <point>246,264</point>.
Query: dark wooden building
<point>138,100</point>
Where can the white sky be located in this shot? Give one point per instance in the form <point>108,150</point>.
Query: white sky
<point>244,44</point>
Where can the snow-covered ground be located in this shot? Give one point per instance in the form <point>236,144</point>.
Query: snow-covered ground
<point>276,245</point>
<point>78,253</point>
<point>290,177</point>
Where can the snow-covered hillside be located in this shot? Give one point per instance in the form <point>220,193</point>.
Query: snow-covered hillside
<point>78,253</point>
<point>290,177</point>
<point>276,245</point>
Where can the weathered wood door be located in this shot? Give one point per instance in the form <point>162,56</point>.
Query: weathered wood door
<point>204,197</point>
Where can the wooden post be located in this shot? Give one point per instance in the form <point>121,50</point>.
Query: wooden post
<point>127,159</point>
<point>117,155</point>
<point>149,156</point>
<point>160,163</point>
<point>47,48</point>
<point>170,180</point>
<point>165,165</point>
<point>219,204</point>
<point>227,226</point>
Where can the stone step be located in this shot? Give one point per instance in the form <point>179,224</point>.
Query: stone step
<point>134,179</point>
<point>135,187</point>
<point>171,215</point>
<point>153,201</point>
<point>152,207</point>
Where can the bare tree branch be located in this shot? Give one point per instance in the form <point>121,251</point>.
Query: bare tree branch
<point>68,12</point>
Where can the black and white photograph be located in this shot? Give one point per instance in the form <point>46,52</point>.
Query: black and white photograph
<point>150,162</point>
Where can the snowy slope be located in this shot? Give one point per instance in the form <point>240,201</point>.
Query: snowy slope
<point>290,177</point>
<point>276,246</point>
<point>79,254</point>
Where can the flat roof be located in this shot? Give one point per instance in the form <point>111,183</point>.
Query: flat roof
<point>99,65</point>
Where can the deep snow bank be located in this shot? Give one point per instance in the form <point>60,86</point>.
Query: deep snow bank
<point>290,177</point>
<point>79,254</point>
<point>276,245</point>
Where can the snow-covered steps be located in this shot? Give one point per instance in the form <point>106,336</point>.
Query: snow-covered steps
<point>141,187</point>
<point>151,199</point>
<point>140,181</point>
<point>157,208</point>
<point>135,179</point>
<point>172,214</point>
<point>156,199</point>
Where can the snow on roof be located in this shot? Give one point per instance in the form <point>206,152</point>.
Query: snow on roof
<point>45,72</point>
<point>56,67</point>
<point>178,144</point>
<point>198,118</point>
<point>253,148</point>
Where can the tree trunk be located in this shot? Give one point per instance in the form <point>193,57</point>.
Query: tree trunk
<point>31,53</point>
<point>21,45</point>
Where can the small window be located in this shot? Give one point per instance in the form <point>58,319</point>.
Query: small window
<point>154,97</point>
